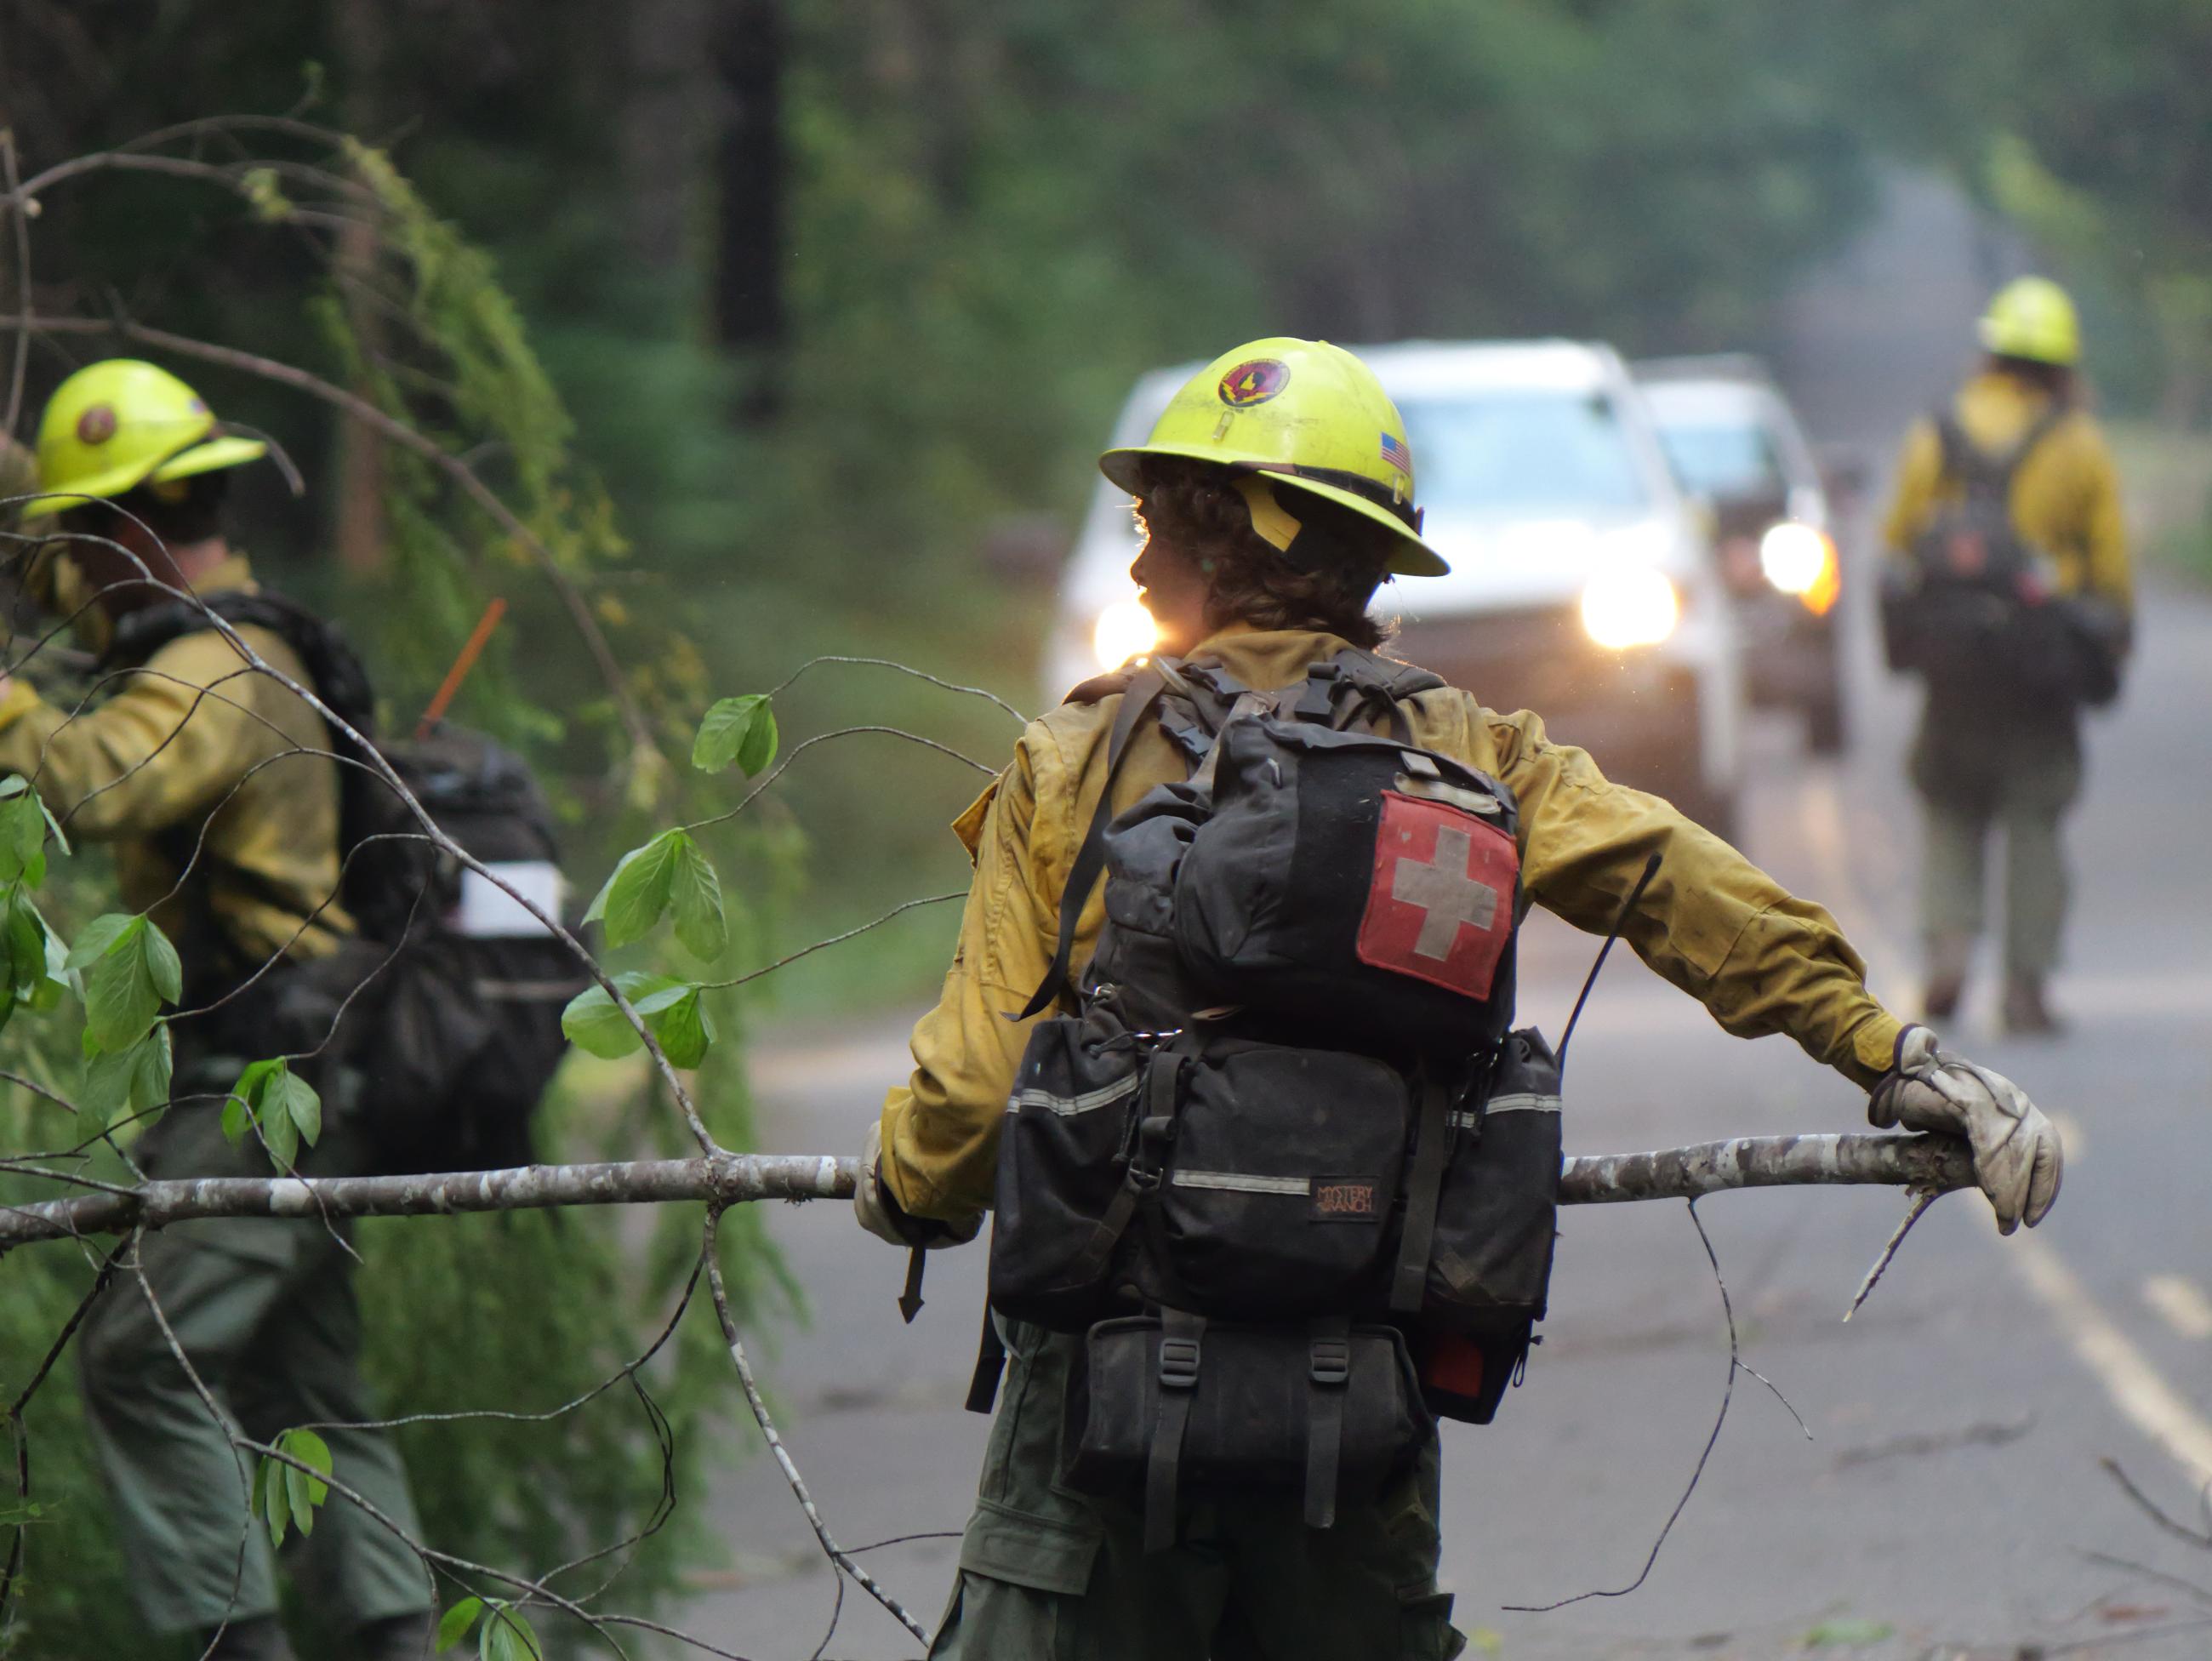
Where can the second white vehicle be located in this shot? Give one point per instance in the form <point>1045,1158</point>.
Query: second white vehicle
<point>1583,584</point>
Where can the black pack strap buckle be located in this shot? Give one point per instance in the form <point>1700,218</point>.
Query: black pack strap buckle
<point>1180,1347</point>
<point>1331,1362</point>
<point>1329,1370</point>
<point>1179,1359</point>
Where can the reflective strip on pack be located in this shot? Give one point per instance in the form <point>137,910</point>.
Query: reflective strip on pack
<point>1066,1106</point>
<point>1239,1182</point>
<point>1522,1101</point>
<point>488,912</point>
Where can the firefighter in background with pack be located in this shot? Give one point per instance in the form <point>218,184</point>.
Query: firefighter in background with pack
<point>190,754</point>
<point>1271,512</point>
<point>2008,675</point>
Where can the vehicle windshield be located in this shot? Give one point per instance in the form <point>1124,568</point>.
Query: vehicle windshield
<point>1725,462</point>
<point>1524,453</point>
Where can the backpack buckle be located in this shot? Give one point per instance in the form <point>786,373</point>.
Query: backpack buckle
<point>1179,1363</point>
<point>1330,1362</point>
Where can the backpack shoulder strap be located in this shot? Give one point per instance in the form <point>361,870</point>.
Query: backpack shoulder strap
<point>1143,690</point>
<point>2041,429</point>
<point>334,669</point>
<point>1364,688</point>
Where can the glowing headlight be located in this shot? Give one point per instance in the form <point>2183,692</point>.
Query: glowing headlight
<point>1630,606</point>
<point>1125,630</point>
<point>1793,556</point>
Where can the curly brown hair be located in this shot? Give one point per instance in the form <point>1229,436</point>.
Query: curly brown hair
<point>1195,508</point>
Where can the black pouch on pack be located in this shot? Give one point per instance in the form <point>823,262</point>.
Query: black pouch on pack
<point>1496,1221</point>
<point>1252,1396</point>
<point>1064,1164</point>
<point>1350,879</point>
<point>1280,1201</point>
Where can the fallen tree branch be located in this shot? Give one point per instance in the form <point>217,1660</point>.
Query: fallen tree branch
<point>1927,1162</point>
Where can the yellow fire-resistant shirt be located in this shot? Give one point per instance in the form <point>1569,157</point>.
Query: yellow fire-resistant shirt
<point>1711,922</point>
<point>196,744</point>
<point>2065,497</point>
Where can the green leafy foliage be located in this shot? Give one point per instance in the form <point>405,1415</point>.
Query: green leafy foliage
<point>283,1107</point>
<point>130,971</point>
<point>135,1080</point>
<point>454,1624</point>
<point>671,1009</point>
<point>740,730</point>
<point>671,872</point>
<point>284,1496</point>
<point>507,1635</point>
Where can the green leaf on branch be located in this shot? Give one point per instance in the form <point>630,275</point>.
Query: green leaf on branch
<point>131,974</point>
<point>285,1495</point>
<point>680,1022</point>
<point>506,1635</point>
<point>740,730</point>
<point>22,838</point>
<point>639,890</point>
<point>454,1625</point>
<point>702,925</point>
<point>133,1080</point>
<point>277,1102</point>
<point>669,1009</point>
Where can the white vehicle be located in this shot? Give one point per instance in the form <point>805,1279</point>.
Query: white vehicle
<point>1583,584</point>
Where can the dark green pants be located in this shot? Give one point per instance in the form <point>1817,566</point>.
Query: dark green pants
<point>1979,773</point>
<point>265,1310</point>
<point>1048,1574</point>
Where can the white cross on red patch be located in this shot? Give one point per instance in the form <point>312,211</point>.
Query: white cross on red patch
<point>1440,903</point>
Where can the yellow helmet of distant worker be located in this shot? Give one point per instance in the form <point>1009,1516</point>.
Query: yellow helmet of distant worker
<point>117,424</point>
<point>2033,318</point>
<point>1314,420</point>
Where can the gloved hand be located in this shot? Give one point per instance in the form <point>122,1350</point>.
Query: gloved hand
<point>879,1213</point>
<point>2017,1156</point>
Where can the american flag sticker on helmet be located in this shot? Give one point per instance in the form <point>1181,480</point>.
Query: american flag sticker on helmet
<point>1394,452</point>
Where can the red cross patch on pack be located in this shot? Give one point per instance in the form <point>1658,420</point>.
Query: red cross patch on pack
<point>1440,903</point>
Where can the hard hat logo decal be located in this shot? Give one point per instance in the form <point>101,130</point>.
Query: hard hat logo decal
<point>1254,381</point>
<point>96,425</point>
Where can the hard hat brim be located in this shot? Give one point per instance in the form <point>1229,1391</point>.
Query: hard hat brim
<point>1414,558</point>
<point>1998,339</point>
<point>210,457</point>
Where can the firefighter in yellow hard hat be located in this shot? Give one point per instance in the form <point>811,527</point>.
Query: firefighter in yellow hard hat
<point>1276,492</point>
<point>2009,591</point>
<point>217,791</point>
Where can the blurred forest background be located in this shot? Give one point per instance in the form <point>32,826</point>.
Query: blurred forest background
<point>841,297</point>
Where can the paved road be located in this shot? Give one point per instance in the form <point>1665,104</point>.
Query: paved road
<point>1950,1495</point>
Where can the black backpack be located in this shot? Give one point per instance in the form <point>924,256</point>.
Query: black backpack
<point>1282,1162</point>
<point>446,1007</point>
<point>1974,612</point>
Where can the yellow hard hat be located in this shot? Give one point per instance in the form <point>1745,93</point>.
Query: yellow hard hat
<point>1312,418</point>
<point>2032,317</point>
<point>117,424</point>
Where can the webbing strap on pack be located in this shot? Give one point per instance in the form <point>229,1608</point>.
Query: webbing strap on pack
<point>1424,1192</point>
<point>990,1364</point>
<point>1155,1129</point>
<point>1329,1373</point>
<point>1182,1343</point>
<point>1090,858</point>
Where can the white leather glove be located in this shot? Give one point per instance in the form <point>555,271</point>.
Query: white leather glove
<point>879,1213</point>
<point>2017,1155</point>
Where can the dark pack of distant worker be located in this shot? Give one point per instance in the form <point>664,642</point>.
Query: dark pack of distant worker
<point>1978,612</point>
<point>447,1004</point>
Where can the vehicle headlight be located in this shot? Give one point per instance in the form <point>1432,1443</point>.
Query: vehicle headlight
<point>1798,558</point>
<point>1630,606</point>
<point>1125,630</point>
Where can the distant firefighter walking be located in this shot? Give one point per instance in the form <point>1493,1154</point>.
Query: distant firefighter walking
<point>2009,590</point>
